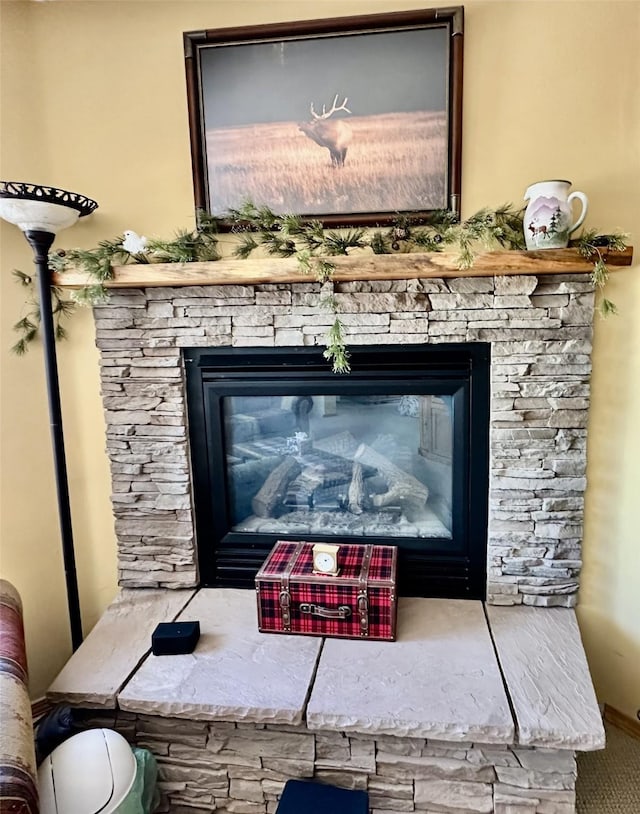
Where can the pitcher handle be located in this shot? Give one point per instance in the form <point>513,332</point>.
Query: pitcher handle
<point>580,196</point>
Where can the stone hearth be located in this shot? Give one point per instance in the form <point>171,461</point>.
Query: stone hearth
<point>455,716</point>
<point>540,333</point>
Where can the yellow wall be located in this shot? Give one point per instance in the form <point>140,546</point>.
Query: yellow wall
<point>93,99</point>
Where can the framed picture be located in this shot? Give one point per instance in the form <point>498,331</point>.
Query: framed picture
<point>353,120</point>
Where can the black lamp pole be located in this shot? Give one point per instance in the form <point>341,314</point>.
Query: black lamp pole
<point>41,242</point>
<point>41,212</point>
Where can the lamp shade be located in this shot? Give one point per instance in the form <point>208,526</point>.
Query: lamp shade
<point>42,208</point>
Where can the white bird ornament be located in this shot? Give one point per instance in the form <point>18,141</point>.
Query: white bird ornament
<point>134,243</point>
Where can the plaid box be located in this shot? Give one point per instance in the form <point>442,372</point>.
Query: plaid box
<point>358,603</point>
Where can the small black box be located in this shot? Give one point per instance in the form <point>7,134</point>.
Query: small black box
<point>174,638</point>
<point>316,798</point>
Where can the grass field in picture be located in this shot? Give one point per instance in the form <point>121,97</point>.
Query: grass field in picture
<point>396,162</point>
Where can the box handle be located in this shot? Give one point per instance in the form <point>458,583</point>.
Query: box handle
<point>341,612</point>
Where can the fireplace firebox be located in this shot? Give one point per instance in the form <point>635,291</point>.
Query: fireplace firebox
<point>396,452</point>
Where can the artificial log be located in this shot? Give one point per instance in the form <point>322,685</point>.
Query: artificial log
<point>246,480</point>
<point>402,487</point>
<point>355,493</point>
<point>275,488</point>
<point>302,487</point>
<point>253,473</point>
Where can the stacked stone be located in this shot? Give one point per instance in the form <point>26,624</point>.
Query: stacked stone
<point>540,332</point>
<point>242,768</point>
<point>540,396</point>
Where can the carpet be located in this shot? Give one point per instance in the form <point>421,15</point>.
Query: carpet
<point>609,780</point>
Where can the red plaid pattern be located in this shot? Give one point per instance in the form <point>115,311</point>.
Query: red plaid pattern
<point>328,592</point>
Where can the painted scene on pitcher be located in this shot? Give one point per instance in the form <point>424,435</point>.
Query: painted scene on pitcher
<point>334,125</point>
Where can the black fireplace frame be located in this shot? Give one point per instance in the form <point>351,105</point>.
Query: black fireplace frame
<point>426,567</point>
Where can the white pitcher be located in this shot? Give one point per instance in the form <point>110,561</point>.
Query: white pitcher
<point>548,214</point>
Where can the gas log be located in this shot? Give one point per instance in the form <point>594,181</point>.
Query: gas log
<point>274,489</point>
<point>402,487</point>
<point>355,495</point>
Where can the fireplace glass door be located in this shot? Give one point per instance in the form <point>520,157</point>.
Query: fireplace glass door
<point>394,453</point>
<point>356,465</point>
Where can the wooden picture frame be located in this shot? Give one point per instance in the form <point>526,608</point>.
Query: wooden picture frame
<point>353,121</point>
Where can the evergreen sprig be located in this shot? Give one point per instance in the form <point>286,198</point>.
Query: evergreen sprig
<point>489,227</point>
<point>336,351</point>
<point>27,327</point>
<point>247,244</point>
<point>590,244</point>
<point>186,247</point>
<point>338,243</point>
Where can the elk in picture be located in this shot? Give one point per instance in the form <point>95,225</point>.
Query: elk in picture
<point>334,134</point>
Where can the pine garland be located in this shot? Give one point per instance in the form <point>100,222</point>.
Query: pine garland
<point>186,247</point>
<point>288,235</point>
<point>258,227</point>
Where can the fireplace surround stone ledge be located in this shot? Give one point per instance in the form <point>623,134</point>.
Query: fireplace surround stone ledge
<point>473,709</point>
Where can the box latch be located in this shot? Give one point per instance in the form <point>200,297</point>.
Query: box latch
<point>363,599</point>
<point>285,594</point>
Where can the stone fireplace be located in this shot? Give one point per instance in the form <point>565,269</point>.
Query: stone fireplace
<point>539,333</point>
<point>474,708</point>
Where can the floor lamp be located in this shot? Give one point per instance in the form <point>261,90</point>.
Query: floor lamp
<point>41,212</point>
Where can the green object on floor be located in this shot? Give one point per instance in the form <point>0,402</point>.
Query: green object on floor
<point>144,796</point>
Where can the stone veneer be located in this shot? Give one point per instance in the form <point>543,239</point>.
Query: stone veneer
<point>241,768</point>
<point>540,332</point>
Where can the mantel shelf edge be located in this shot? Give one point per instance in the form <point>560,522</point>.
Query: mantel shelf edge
<point>356,267</point>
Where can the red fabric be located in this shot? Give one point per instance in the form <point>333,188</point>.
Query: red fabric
<point>18,790</point>
<point>18,793</point>
<point>13,657</point>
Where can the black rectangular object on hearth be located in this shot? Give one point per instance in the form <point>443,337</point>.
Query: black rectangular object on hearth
<point>394,453</point>
<point>306,796</point>
<point>175,638</point>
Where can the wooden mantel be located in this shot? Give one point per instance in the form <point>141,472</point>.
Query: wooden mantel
<point>358,266</point>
